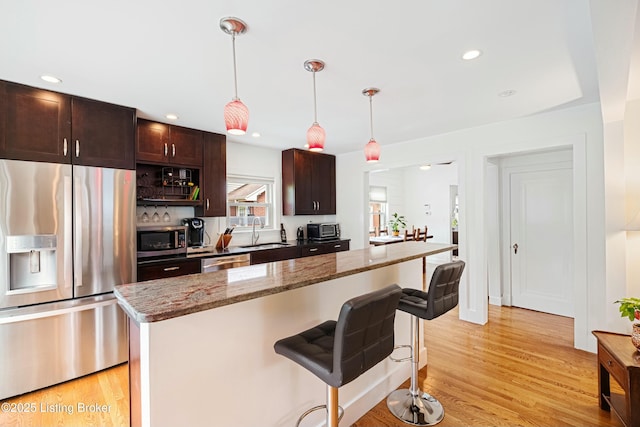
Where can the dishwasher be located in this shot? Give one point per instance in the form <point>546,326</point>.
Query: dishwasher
<point>224,262</point>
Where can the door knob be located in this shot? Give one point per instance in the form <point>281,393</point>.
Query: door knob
<point>515,248</point>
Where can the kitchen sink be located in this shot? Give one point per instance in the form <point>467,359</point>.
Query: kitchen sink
<point>266,245</point>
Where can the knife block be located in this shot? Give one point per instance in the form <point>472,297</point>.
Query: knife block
<point>223,242</point>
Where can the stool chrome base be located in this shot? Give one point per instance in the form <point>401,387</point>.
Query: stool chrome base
<point>418,410</point>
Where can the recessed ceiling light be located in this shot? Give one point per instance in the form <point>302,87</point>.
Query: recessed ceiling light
<point>471,54</point>
<point>256,134</point>
<point>171,116</point>
<point>425,167</point>
<point>50,79</point>
<point>506,93</point>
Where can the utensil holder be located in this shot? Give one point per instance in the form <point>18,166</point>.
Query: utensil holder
<point>223,242</point>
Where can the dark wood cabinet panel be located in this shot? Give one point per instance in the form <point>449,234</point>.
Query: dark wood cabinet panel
<point>103,134</point>
<point>35,124</point>
<point>213,185</point>
<point>162,143</point>
<point>185,146</point>
<point>164,269</point>
<point>308,183</point>
<point>324,248</point>
<point>45,126</point>
<point>272,255</point>
<point>152,143</point>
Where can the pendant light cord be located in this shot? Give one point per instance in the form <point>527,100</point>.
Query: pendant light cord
<point>235,75</point>
<point>371,114</point>
<point>315,107</point>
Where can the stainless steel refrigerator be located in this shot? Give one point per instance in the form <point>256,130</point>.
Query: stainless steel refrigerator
<point>67,236</point>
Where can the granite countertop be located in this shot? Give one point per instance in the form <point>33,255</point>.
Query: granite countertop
<point>163,299</point>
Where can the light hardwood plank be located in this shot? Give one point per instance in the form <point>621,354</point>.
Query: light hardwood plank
<point>100,399</point>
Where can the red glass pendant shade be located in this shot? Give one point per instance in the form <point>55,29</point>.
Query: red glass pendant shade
<point>315,137</point>
<point>372,151</point>
<point>236,117</point>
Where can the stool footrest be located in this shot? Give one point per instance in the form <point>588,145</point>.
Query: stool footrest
<point>404,359</point>
<point>317,408</point>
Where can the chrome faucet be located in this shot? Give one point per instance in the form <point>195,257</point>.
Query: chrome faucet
<point>254,234</point>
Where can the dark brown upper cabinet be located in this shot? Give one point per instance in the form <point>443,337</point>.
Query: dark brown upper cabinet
<point>162,143</point>
<point>214,176</point>
<point>308,183</point>
<point>45,126</point>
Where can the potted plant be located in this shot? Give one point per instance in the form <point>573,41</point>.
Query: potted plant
<point>396,222</point>
<point>630,308</point>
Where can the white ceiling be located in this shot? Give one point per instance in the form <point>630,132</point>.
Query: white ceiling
<point>171,57</point>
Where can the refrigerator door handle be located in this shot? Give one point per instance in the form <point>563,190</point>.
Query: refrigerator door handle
<point>68,235</point>
<point>78,189</point>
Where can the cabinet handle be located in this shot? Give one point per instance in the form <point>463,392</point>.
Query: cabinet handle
<point>609,363</point>
<point>173,150</point>
<point>166,149</point>
<point>313,249</point>
<point>64,148</point>
<point>337,246</point>
<point>207,203</point>
<point>318,206</point>
<point>171,269</point>
<point>77,148</point>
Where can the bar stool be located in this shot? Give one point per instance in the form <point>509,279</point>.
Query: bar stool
<point>339,352</point>
<point>411,405</point>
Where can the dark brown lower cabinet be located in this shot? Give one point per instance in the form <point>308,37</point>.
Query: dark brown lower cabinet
<point>171,268</point>
<point>324,248</point>
<point>272,255</point>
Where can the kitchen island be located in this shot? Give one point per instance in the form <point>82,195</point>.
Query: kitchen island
<point>201,346</point>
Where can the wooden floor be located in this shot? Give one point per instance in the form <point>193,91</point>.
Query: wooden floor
<point>518,370</point>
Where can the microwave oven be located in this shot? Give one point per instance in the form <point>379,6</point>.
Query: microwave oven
<point>325,231</point>
<point>161,241</point>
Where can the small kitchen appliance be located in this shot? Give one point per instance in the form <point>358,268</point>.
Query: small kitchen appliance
<point>326,231</point>
<point>195,231</point>
<point>161,241</point>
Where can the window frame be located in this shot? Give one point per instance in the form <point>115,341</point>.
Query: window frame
<point>268,204</point>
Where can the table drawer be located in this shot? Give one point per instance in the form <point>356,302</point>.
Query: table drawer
<point>613,366</point>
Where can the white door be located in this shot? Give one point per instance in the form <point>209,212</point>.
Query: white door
<point>542,241</point>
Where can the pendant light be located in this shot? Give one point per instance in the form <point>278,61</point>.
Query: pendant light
<point>236,114</point>
<point>372,149</point>
<point>315,134</point>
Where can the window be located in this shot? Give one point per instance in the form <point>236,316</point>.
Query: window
<point>247,199</point>
<point>377,209</point>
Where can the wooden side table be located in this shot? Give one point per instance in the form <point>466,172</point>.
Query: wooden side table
<point>618,357</point>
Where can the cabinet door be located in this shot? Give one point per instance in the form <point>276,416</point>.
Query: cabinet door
<point>324,184</point>
<point>103,134</point>
<point>213,182</point>
<point>34,124</point>
<point>166,269</point>
<point>325,248</point>
<point>185,146</point>
<point>152,143</point>
<point>297,192</point>
<point>272,255</point>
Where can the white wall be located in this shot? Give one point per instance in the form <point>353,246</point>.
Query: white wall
<point>579,127</point>
<point>430,187</point>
